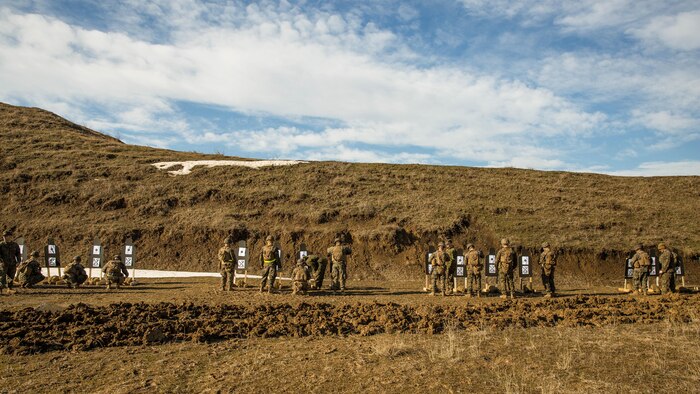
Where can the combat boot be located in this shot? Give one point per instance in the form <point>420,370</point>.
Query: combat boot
<point>512,296</point>
<point>109,286</point>
<point>468,295</point>
<point>548,295</point>
<point>504,296</point>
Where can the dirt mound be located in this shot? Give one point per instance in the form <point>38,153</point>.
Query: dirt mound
<point>83,327</point>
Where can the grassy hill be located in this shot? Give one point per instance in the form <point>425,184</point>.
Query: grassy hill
<point>63,180</point>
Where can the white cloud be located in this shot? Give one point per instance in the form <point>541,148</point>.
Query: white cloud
<point>658,168</point>
<point>681,31</point>
<point>288,64</point>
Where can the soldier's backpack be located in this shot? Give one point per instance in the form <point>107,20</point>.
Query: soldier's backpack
<point>337,253</point>
<point>113,270</point>
<point>674,261</point>
<point>507,257</point>
<point>645,260</point>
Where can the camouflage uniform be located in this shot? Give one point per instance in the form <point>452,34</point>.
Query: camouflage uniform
<point>11,255</point>
<point>439,263</point>
<point>668,269</point>
<point>548,261</point>
<point>336,254</point>
<point>74,274</point>
<point>227,265</point>
<point>300,278</point>
<point>269,260</point>
<point>115,272</point>
<point>451,265</point>
<point>474,267</point>
<point>29,272</point>
<point>641,263</point>
<point>506,260</point>
<point>317,267</point>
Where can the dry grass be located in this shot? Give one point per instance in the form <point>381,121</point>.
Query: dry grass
<point>62,180</point>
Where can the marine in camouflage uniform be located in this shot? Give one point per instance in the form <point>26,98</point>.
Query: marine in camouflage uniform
<point>668,268</point>
<point>317,267</point>
<point>300,277</point>
<point>548,261</point>
<point>641,263</point>
<point>506,260</point>
<point>227,265</point>
<point>11,255</point>
<point>269,261</point>
<point>438,261</point>
<point>74,274</point>
<point>29,272</point>
<point>451,265</point>
<point>115,272</point>
<point>474,268</point>
<point>337,255</point>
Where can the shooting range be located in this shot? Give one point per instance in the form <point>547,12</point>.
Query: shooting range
<point>52,257</point>
<point>428,268</point>
<point>129,258</point>
<point>22,248</point>
<point>460,269</point>
<point>525,269</point>
<point>96,256</point>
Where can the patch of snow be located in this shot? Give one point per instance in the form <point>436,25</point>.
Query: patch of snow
<point>187,166</point>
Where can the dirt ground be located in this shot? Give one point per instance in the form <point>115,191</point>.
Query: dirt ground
<point>183,335</point>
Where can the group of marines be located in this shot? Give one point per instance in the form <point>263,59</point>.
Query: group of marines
<point>28,273</point>
<point>444,263</point>
<point>641,264</point>
<point>307,274</point>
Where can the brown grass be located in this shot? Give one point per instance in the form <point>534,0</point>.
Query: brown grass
<point>72,183</point>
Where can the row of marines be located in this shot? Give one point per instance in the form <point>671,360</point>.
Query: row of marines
<point>308,268</point>
<point>444,263</point>
<point>28,273</point>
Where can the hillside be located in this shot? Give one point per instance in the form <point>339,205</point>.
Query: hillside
<point>63,180</point>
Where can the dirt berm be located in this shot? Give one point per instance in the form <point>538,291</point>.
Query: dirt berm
<point>83,327</point>
<point>62,180</point>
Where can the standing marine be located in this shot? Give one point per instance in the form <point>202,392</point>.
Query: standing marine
<point>269,261</point>
<point>29,272</point>
<point>474,268</point>
<point>317,269</point>
<point>300,277</point>
<point>227,265</point>
<point>667,271</point>
<point>451,265</point>
<point>438,260</point>
<point>337,255</point>
<point>548,261</point>
<point>641,263</point>
<point>74,274</point>
<point>11,255</point>
<point>506,260</point>
<point>115,272</point>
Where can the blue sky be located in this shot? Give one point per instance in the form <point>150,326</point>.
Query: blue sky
<point>602,86</point>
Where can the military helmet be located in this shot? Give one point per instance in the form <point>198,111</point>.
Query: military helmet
<point>448,241</point>
<point>505,241</point>
<point>76,259</point>
<point>35,253</point>
<point>545,245</point>
<point>117,257</point>
<point>662,245</point>
<point>470,246</point>
<point>638,247</point>
<point>6,233</point>
<point>336,240</point>
<point>269,238</point>
<point>441,245</point>
<point>228,240</point>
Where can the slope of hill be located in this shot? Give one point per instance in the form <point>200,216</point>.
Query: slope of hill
<point>63,180</point>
